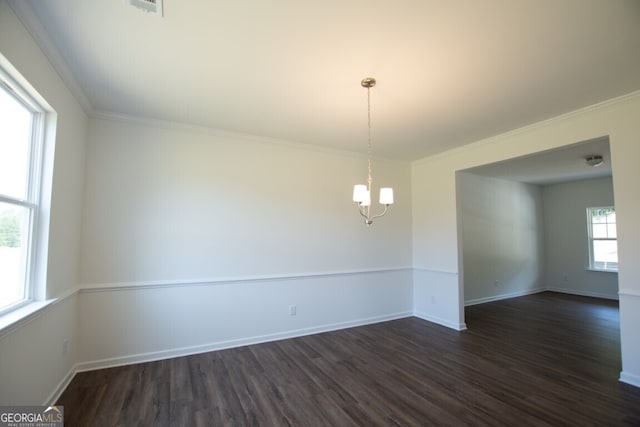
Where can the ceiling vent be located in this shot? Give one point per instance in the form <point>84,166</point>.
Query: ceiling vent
<point>150,6</point>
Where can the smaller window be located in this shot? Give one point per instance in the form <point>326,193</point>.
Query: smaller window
<point>603,238</point>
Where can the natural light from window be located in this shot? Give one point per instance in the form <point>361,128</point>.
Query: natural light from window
<point>17,204</point>
<point>603,238</point>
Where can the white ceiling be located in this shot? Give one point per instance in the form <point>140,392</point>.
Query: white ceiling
<point>449,72</point>
<point>551,167</point>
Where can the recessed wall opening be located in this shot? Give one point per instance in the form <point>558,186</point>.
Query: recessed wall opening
<point>523,225</point>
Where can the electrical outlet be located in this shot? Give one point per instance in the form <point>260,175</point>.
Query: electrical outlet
<point>433,299</point>
<point>496,283</point>
<point>65,347</point>
<point>293,310</point>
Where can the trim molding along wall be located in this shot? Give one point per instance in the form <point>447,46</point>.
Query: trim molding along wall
<point>204,348</point>
<point>440,321</point>
<point>628,293</point>
<point>581,293</point>
<point>102,287</point>
<point>435,270</point>
<point>631,379</point>
<point>226,313</point>
<point>81,365</point>
<point>435,292</point>
<point>430,317</point>
<point>21,317</point>
<point>115,288</point>
<point>509,295</point>
<point>166,319</point>
<point>25,13</point>
<point>222,345</point>
<point>31,375</point>
<point>223,134</point>
<point>527,129</point>
<point>630,300</point>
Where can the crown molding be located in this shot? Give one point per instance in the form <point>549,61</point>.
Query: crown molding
<point>232,135</point>
<point>529,128</point>
<point>29,19</point>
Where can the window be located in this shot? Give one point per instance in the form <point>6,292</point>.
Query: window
<point>603,235</point>
<point>21,134</point>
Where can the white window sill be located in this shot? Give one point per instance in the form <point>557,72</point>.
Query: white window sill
<point>602,271</point>
<point>13,318</point>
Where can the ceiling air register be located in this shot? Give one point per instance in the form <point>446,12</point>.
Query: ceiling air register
<point>149,6</point>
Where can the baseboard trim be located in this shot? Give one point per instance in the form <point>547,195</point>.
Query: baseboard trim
<point>61,387</point>
<point>583,293</point>
<point>631,379</point>
<point>504,296</point>
<point>440,321</point>
<point>222,345</point>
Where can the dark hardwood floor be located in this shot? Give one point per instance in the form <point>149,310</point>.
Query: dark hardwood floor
<point>542,360</point>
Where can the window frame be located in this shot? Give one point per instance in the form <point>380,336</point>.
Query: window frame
<point>33,197</point>
<point>592,239</point>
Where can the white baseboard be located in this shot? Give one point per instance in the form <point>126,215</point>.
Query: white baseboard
<point>504,296</point>
<point>440,321</point>
<point>628,378</point>
<point>582,293</point>
<point>64,383</point>
<point>221,345</point>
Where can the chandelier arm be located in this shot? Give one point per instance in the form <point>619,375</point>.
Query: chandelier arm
<point>381,214</point>
<point>362,210</point>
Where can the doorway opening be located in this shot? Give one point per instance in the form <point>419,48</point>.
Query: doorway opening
<point>522,224</point>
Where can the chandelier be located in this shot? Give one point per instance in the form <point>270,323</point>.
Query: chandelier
<point>361,192</point>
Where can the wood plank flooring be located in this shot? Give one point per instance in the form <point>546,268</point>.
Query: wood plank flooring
<point>542,360</point>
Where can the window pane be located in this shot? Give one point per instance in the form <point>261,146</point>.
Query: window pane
<point>611,218</point>
<point>15,131</point>
<point>596,216</point>
<point>599,231</point>
<point>14,222</point>
<point>612,231</point>
<point>605,254</point>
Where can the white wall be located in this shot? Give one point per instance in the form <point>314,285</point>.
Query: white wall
<point>434,293</point>
<point>502,238</point>
<point>32,364</point>
<point>168,321</point>
<point>566,241</point>
<point>232,230</point>
<point>34,367</point>
<point>188,204</point>
<point>436,243</point>
<point>187,226</point>
<point>520,238</point>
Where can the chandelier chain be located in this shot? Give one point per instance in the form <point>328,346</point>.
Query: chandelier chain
<point>369,133</point>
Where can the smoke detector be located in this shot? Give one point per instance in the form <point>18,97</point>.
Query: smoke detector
<point>148,6</point>
<point>594,160</point>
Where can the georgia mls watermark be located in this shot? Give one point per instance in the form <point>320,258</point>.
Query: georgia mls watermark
<point>31,416</point>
